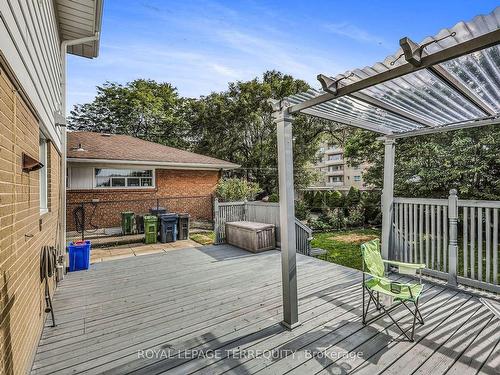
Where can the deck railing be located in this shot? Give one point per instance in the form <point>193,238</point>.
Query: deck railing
<point>262,212</point>
<point>456,239</point>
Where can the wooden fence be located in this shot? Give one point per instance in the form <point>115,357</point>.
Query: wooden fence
<point>456,239</point>
<point>262,212</point>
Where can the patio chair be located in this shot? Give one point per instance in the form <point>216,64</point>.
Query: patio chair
<point>385,293</point>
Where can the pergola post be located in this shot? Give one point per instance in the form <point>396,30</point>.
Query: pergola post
<point>283,122</point>
<point>387,195</point>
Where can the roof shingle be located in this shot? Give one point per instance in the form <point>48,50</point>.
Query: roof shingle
<point>128,148</point>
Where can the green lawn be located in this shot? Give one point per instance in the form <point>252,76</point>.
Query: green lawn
<point>343,247</point>
<point>203,238</point>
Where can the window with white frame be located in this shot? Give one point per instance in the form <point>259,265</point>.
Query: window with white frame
<point>123,178</point>
<point>357,178</point>
<point>43,174</point>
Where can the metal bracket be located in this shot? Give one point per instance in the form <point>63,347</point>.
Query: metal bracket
<point>412,51</point>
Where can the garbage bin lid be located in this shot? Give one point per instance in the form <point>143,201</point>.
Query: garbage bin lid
<point>184,215</point>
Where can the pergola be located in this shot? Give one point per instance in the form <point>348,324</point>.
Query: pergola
<point>449,81</point>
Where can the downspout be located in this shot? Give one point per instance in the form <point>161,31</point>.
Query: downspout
<point>64,47</point>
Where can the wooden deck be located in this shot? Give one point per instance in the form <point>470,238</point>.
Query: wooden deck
<point>217,309</point>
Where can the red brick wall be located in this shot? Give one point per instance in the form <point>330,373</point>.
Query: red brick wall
<point>177,190</point>
<point>23,231</point>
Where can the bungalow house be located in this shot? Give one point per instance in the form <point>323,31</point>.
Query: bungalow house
<point>35,37</point>
<point>109,174</point>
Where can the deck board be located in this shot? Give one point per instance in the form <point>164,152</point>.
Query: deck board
<point>226,302</point>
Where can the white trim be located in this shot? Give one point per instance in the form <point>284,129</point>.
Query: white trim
<point>170,165</point>
<point>95,187</point>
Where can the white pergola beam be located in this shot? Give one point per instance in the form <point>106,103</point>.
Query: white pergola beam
<point>283,122</point>
<point>447,128</point>
<point>388,195</point>
<point>480,42</point>
<point>355,123</point>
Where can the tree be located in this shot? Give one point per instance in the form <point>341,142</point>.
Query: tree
<point>142,108</point>
<point>429,166</point>
<point>238,124</point>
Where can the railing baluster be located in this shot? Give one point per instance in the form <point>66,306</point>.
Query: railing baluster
<point>472,242</point>
<point>480,244</point>
<point>395,250</point>
<point>488,244</point>
<point>421,234</point>
<point>405,238</point>
<point>465,242</point>
<point>438,237</point>
<point>410,232</point>
<point>495,246</point>
<point>445,238</point>
<point>433,237</point>
<point>401,239</point>
<point>427,235</point>
<point>415,232</point>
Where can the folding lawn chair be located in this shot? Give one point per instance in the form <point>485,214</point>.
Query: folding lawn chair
<point>386,294</point>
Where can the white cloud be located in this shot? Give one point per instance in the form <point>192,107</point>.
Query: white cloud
<point>354,32</point>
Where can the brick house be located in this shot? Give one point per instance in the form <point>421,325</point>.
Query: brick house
<point>110,174</point>
<point>35,37</point>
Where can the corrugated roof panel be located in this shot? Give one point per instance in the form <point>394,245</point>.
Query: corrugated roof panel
<point>467,88</point>
<point>481,73</point>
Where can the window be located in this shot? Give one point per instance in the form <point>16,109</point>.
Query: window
<point>333,168</point>
<point>335,157</point>
<point>123,178</point>
<point>335,179</point>
<point>357,178</point>
<point>42,174</point>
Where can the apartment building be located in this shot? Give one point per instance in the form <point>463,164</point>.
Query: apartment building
<point>336,173</point>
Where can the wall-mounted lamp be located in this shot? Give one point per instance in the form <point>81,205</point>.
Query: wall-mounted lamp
<point>30,164</point>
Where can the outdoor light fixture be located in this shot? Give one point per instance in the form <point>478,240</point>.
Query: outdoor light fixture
<point>30,164</point>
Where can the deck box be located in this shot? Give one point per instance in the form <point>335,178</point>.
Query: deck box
<point>251,236</point>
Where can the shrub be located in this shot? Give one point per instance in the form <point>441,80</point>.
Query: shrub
<point>235,189</point>
<point>370,201</point>
<point>301,210</point>
<point>355,217</point>
<point>274,198</point>
<point>353,197</point>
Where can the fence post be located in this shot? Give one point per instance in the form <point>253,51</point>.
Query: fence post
<point>216,220</point>
<point>453,237</point>
<point>245,209</point>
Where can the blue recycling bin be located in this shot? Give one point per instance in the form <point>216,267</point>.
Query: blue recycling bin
<point>79,255</point>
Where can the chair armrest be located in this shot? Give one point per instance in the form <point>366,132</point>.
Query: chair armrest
<point>416,266</point>
<point>387,280</point>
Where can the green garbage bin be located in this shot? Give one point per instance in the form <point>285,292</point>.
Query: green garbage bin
<point>150,229</point>
<point>128,222</point>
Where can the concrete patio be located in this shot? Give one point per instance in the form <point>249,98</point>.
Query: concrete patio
<point>218,309</point>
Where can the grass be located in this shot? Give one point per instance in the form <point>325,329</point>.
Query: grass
<point>203,238</point>
<point>343,247</point>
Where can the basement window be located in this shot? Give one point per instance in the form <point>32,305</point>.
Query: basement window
<point>123,178</point>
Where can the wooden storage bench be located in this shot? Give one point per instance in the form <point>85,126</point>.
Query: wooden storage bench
<point>251,236</point>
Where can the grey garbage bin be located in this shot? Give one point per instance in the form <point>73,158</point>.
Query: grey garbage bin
<point>168,227</point>
<point>183,227</point>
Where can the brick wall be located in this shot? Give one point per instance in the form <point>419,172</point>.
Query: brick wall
<point>22,231</point>
<point>177,190</point>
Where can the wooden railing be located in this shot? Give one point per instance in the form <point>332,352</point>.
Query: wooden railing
<point>456,239</point>
<point>262,212</point>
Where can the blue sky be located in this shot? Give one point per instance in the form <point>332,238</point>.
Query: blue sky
<point>200,46</point>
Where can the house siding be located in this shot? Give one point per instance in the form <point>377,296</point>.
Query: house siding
<point>189,191</point>
<point>30,45</point>
<point>23,231</point>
